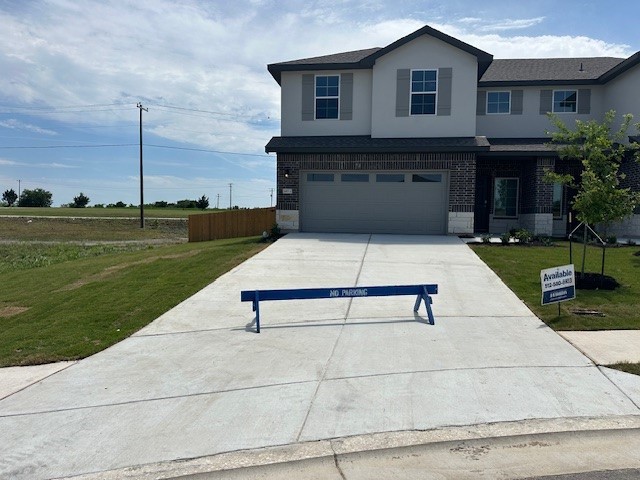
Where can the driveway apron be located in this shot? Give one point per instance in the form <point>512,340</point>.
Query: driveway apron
<point>199,381</point>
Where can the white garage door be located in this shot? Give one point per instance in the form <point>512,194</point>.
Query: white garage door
<point>374,202</point>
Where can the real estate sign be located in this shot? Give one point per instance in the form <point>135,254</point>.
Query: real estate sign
<point>558,284</point>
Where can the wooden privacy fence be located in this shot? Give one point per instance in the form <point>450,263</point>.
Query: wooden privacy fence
<point>231,224</point>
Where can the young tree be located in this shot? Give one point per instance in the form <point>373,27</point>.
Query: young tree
<point>599,200</point>
<point>202,203</point>
<point>80,201</point>
<point>35,198</point>
<point>9,196</point>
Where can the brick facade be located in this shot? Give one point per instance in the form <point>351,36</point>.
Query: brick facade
<point>631,170</point>
<point>461,167</point>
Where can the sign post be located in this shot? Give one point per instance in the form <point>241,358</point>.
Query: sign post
<point>558,285</point>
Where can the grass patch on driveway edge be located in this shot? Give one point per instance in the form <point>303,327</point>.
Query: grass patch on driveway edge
<point>519,268</point>
<point>73,309</point>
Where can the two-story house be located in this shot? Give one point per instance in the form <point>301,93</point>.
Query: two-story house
<point>430,135</point>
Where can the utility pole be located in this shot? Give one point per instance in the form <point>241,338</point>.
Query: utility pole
<point>218,202</point>
<point>139,105</point>
<point>230,186</point>
<point>271,190</point>
<point>19,191</point>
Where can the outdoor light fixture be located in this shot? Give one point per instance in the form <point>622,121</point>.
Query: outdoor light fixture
<point>286,173</point>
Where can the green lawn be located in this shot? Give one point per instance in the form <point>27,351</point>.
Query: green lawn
<point>519,267</point>
<point>65,229</point>
<point>65,302</point>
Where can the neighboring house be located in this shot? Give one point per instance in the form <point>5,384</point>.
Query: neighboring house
<point>430,135</point>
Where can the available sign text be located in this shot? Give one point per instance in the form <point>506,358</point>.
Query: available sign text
<point>558,284</point>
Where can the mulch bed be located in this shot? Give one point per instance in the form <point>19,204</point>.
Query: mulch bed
<point>595,281</point>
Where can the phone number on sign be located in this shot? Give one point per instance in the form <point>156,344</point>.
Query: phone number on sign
<point>559,283</point>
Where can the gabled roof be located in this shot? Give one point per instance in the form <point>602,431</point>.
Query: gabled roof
<point>622,67</point>
<point>501,72</point>
<point>548,71</point>
<point>364,59</point>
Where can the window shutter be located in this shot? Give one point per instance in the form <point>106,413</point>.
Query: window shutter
<point>308,97</point>
<point>445,77</point>
<point>481,103</point>
<point>402,92</point>
<point>546,99</point>
<point>346,96</point>
<point>516,102</point>
<point>584,101</point>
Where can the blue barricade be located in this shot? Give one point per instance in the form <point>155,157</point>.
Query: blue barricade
<point>422,292</point>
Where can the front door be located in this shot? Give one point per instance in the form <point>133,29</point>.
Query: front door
<point>482,206</point>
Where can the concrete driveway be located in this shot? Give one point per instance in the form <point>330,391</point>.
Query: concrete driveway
<point>198,381</point>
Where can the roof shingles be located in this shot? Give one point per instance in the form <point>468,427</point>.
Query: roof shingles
<point>548,69</point>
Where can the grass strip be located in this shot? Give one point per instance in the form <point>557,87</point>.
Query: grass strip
<point>519,267</point>
<point>128,212</point>
<point>627,367</point>
<point>65,229</point>
<point>76,305</point>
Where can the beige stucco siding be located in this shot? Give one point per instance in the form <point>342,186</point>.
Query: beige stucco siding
<point>291,105</point>
<point>623,95</point>
<point>425,53</point>
<point>531,123</point>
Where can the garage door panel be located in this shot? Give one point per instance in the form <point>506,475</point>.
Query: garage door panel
<point>374,207</point>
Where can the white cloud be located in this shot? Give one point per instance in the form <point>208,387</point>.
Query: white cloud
<point>14,124</point>
<point>482,25</point>
<point>540,46</point>
<point>8,162</point>
<point>55,165</point>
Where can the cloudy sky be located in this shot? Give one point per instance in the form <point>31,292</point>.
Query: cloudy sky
<point>72,72</point>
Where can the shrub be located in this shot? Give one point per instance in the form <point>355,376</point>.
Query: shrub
<point>505,238</point>
<point>544,240</point>
<point>523,235</point>
<point>486,238</point>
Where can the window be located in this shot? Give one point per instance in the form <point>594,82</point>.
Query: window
<point>423,92</point>
<point>390,177</point>
<point>565,101</point>
<point>327,95</point>
<point>505,198</point>
<point>557,200</point>
<point>355,177</point>
<point>319,177</point>
<point>498,102</point>
<point>427,177</point>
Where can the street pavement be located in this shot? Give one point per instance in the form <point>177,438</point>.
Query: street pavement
<point>200,383</point>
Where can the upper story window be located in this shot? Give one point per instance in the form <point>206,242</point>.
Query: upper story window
<point>498,102</point>
<point>565,101</point>
<point>424,85</point>
<point>327,96</point>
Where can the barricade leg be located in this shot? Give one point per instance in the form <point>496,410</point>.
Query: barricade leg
<point>256,308</point>
<point>427,303</point>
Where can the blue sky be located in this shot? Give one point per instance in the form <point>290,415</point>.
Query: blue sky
<point>73,71</point>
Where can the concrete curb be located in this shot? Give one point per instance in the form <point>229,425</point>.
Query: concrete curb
<point>325,455</point>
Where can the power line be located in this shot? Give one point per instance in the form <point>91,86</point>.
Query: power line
<point>71,146</point>
<point>49,112</point>
<point>208,151</point>
<point>172,107</point>
<point>53,107</point>
<point>25,147</point>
